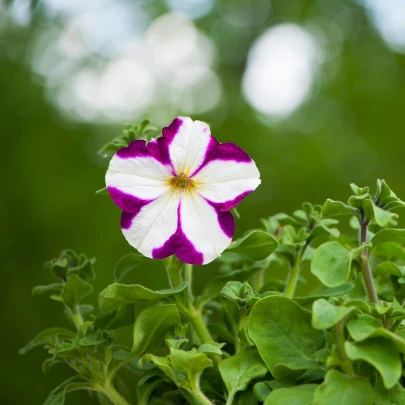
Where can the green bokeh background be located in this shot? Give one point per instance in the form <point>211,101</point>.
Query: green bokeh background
<point>351,128</point>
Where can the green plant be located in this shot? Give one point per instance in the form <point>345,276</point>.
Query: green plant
<point>248,338</point>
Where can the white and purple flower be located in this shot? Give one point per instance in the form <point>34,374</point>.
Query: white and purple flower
<point>177,190</point>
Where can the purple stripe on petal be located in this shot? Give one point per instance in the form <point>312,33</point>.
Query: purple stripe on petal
<point>127,202</point>
<point>126,219</point>
<point>156,149</point>
<point>228,205</point>
<point>180,245</point>
<point>224,151</point>
<point>226,220</point>
<point>210,148</point>
<point>134,149</point>
<point>170,132</point>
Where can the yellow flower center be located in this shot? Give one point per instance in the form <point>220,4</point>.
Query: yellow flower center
<point>182,182</point>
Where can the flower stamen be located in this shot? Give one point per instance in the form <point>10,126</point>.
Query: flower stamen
<point>181,182</point>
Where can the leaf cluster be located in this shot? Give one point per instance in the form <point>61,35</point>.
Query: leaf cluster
<point>249,337</point>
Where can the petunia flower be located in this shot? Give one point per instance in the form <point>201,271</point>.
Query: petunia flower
<point>176,192</point>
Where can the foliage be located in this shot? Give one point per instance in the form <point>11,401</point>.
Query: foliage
<point>248,338</point>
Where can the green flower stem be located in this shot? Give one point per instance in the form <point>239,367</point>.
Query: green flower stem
<point>173,267</point>
<point>196,391</point>
<point>365,268</point>
<point>188,276</point>
<point>113,395</point>
<point>340,342</point>
<point>241,344</point>
<point>396,325</point>
<point>76,316</point>
<point>295,271</point>
<point>293,279</point>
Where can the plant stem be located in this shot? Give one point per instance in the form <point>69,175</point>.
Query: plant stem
<point>365,268</point>
<point>293,279</point>
<point>241,344</point>
<point>195,386</point>
<point>114,396</point>
<point>188,276</point>
<point>340,341</point>
<point>230,399</point>
<point>172,266</point>
<point>295,271</point>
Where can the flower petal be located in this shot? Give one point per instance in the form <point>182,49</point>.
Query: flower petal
<point>153,225</point>
<point>138,174</point>
<point>189,144</point>
<point>208,229</point>
<point>227,176</point>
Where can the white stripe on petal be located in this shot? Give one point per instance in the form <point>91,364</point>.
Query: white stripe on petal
<point>154,224</point>
<point>189,145</point>
<point>142,177</point>
<point>222,181</point>
<point>202,226</point>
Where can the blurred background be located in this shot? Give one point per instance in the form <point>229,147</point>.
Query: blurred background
<point>313,90</point>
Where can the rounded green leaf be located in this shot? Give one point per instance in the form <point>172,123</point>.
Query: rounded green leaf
<point>284,336</point>
<point>75,290</point>
<point>381,353</point>
<point>326,315</point>
<point>388,235</point>
<point>331,264</point>
<point>301,395</point>
<point>341,389</point>
<point>256,245</point>
<point>239,370</point>
<point>151,326</point>
<point>333,208</point>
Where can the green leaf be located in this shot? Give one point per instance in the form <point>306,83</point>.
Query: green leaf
<point>214,287</point>
<point>57,396</point>
<point>329,292</point>
<point>239,370</point>
<point>126,264</point>
<point>85,271</point>
<point>193,363</point>
<point>333,208</point>
<point>301,395</point>
<point>394,396</point>
<point>41,289</point>
<point>123,316</point>
<point>365,327</point>
<point>388,235</point>
<point>51,333</point>
<point>326,315</point>
<point>262,390</point>
<point>381,353</point>
<point>151,325</point>
<point>339,389</point>
<point>256,245</point>
<point>389,269</point>
<point>75,290</point>
<point>380,216</point>
<point>332,263</point>
<point>284,336</point>
<point>117,295</point>
<point>210,348</point>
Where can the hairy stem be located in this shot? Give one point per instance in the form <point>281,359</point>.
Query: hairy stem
<point>113,395</point>
<point>295,272</point>
<point>365,268</point>
<point>340,341</point>
<point>231,397</point>
<point>196,390</point>
<point>188,276</point>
